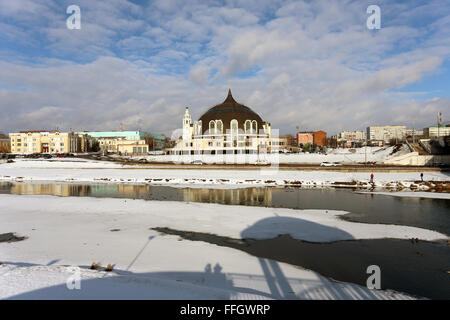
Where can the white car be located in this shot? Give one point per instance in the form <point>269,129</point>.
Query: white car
<point>330,164</point>
<point>261,162</point>
<point>197,162</point>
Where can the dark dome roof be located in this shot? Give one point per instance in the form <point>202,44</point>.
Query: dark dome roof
<point>227,111</point>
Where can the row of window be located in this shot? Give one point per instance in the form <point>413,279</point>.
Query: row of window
<point>139,149</point>
<point>216,126</point>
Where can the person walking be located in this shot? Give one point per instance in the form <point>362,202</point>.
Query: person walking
<point>421,176</point>
<point>371,178</point>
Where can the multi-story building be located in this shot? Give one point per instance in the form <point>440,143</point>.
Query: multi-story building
<point>435,131</point>
<point>414,132</point>
<point>156,141</point>
<point>351,138</point>
<point>377,135</point>
<point>303,138</point>
<point>28,142</point>
<point>132,147</point>
<point>5,145</point>
<point>318,138</point>
<point>127,135</point>
<point>353,135</point>
<point>123,142</point>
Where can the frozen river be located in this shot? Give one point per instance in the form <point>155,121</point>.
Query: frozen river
<point>403,268</point>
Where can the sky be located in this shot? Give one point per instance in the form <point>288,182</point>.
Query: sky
<point>311,65</point>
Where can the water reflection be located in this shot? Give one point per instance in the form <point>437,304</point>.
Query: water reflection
<point>369,208</point>
<point>247,196</point>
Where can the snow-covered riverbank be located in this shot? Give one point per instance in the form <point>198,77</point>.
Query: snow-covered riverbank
<point>78,231</point>
<point>85,171</point>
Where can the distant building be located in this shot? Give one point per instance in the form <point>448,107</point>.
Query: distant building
<point>5,145</point>
<point>377,135</point>
<point>353,135</point>
<point>123,142</point>
<point>127,135</point>
<point>435,131</point>
<point>351,139</point>
<point>156,141</point>
<point>320,138</point>
<point>132,147</point>
<point>286,143</point>
<point>304,138</point>
<point>414,132</point>
<point>28,142</point>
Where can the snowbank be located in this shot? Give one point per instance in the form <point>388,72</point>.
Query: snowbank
<point>82,172</point>
<point>78,231</point>
<point>49,282</point>
<point>223,220</point>
<point>417,194</point>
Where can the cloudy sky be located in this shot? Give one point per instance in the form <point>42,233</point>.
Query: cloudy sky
<point>312,64</point>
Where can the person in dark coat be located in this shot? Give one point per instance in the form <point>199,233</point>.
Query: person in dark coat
<point>421,176</point>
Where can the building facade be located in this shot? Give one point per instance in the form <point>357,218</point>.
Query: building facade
<point>320,138</point>
<point>384,134</point>
<point>5,145</point>
<point>435,131</point>
<point>226,128</point>
<point>123,142</point>
<point>127,135</point>
<point>303,138</point>
<point>132,147</point>
<point>317,138</point>
<point>28,142</point>
<point>351,139</point>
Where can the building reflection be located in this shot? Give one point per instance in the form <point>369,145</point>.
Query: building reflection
<point>247,196</point>
<point>63,190</point>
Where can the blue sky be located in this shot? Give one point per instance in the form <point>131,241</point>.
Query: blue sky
<point>312,64</point>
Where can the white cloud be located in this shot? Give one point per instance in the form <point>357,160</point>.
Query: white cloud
<point>307,63</point>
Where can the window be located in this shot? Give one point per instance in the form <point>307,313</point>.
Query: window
<point>219,126</point>
<point>254,126</point>
<point>248,126</point>
<point>212,127</point>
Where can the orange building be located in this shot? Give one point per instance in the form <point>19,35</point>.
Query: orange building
<point>305,137</point>
<point>320,138</point>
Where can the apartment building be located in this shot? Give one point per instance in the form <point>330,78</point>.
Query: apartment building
<point>435,131</point>
<point>383,134</point>
<point>5,145</point>
<point>28,142</point>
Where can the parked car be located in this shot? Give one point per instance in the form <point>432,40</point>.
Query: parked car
<point>329,164</point>
<point>197,162</point>
<point>261,162</point>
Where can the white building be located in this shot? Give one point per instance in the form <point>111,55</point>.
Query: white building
<point>435,131</point>
<point>383,134</point>
<point>227,128</point>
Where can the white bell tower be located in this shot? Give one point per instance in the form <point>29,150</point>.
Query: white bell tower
<point>187,121</point>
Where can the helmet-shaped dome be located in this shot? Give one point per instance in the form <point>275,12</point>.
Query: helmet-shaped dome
<point>227,111</point>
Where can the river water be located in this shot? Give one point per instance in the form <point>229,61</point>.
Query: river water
<point>424,275</point>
